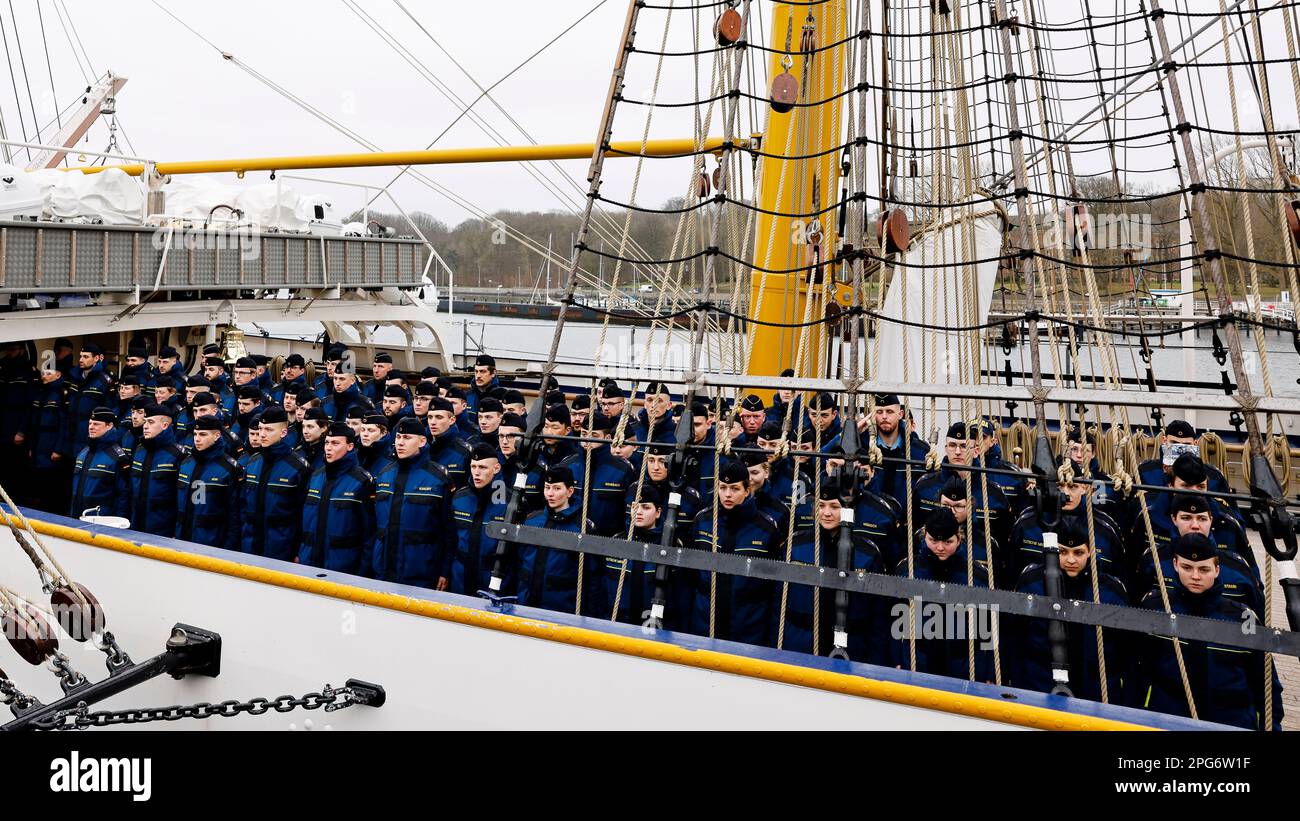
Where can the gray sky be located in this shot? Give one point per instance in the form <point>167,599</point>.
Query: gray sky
<point>184,101</point>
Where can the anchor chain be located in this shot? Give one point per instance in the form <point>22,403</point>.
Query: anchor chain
<point>331,698</point>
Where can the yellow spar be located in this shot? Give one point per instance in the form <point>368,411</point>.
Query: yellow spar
<point>787,186</point>
<point>437,156</point>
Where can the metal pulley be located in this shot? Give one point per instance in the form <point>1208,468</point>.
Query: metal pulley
<point>729,27</point>
<point>77,619</point>
<point>893,232</point>
<point>785,88</point>
<point>29,634</point>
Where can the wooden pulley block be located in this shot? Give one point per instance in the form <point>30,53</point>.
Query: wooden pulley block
<point>76,619</point>
<point>729,28</point>
<point>808,39</point>
<point>717,180</point>
<point>29,635</point>
<point>893,231</point>
<point>785,92</point>
<point>702,185</point>
<point>1078,227</point>
<point>834,318</point>
<point>1293,220</point>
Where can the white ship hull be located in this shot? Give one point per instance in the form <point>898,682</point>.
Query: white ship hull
<point>451,662</point>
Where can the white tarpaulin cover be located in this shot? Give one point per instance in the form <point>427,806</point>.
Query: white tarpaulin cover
<point>20,194</point>
<point>118,199</point>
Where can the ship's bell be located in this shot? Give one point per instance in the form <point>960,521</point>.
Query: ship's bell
<point>232,345</point>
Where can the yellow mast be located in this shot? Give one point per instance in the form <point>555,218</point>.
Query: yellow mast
<point>792,186</point>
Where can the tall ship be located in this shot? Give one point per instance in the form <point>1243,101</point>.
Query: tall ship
<point>954,388</point>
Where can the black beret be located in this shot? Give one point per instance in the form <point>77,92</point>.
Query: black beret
<point>334,353</point>
<point>137,349</point>
<point>155,409</point>
<point>513,420</point>
<point>483,451</point>
<point>751,458</point>
<point>396,391</point>
<point>439,403</point>
<point>261,360</point>
<point>887,399</point>
<point>356,412</point>
<point>555,397</point>
<point>130,380</point>
<point>958,430</point>
<point>1072,532</point>
<point>1190,469</point>
<point>316,415</point>
<point>63,342</point>
<point>941,524</point>
<point>651,495</point>
<point>295,360</point>
<point>92,348</point>
<point>340,429</point>
<point>383,358</point>
<point>1195,547</point>
<point>699,408</point>
<point>430,372</point>
<point>485,360</point>
<point>770,430</point>
<point>490,405</point>
<point>954,489</point>
<point>141,402</point>
<point>165,381</point>
<point>512,397</point>
<point>1180,428</point>
<point>559,413</point>
<point>411,426</point>
<point>732,471</point>
<point>657,388</point>
<point>214,362</point>
<point>246,362</point>
<point>274,414</point>
<point>600,421</point>
<point>205,398</point>
<point>377,419</point>
<point>612,392</point>
<point>249,391</point>
<point>305,396</point>
<point>558,474</point>
<point>787,373</point>
<point>168,352</point>
<point>1189,503</point>
<point>207,423</point>
<point>455,392</point>
<point>751,403</point>
<point>823,401</point>
<point>582,402</point>
<point>828,491</point>
<point>395,373</point>
<point>198,380</point>
<point>211,349</point>
<point>103,415</point>
<point>426,389</point>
